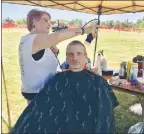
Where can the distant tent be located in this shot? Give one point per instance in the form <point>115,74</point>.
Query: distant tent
<point>9,25</point>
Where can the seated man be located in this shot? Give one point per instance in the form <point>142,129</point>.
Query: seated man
<point>75,101</point>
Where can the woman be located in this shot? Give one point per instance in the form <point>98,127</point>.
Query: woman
<point>76,101</point>
<point>37,62</point>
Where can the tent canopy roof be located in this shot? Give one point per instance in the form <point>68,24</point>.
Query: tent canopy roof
<point>92,7</point>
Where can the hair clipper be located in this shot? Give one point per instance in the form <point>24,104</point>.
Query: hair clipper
<point>89,38</point>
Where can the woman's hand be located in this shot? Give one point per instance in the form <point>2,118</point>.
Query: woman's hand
<point>91,29</point>
<point>54,49</point>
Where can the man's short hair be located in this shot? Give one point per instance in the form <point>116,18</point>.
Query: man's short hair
<point>76,42</point>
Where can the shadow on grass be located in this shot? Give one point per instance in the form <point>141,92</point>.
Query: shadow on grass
<point>124,118</point>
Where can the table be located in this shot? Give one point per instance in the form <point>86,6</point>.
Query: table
<point>134,91</point>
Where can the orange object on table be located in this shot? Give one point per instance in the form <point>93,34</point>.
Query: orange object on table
<point>107,77</point>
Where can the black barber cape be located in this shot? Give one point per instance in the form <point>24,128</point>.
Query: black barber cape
<point>71,102</point>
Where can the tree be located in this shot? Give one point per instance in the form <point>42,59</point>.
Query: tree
<point>117,23</point>
<point>24,21</point>
<point>103,23</point>
<point>94,22</point>
<point>124,24</point>
<point>72,22</point>
<point>76,22</point>
<point>142,24</point>
<point>8,19</point>
<point>139,21</point>
<point>20,21</point>
<point>111,23</point>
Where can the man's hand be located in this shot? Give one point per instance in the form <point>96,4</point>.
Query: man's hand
<point>54,50</point>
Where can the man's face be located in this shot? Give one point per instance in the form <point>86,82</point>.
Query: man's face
<point>76,57</point>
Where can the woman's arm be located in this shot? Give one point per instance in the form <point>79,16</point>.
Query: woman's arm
<point>43,41</point>
<point>55,50</point>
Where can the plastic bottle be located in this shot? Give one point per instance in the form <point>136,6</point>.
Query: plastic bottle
<point>140,68</point>
<point>98,63</point>
<point>103,62</point>
<point>133,74</point>
<point>134,70</point>
<point>128,69</point>
<point>89,64</point>
<point>122,72</point>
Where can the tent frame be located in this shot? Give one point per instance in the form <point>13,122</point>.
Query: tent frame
<point>100,7</point>
<point>71,9</point>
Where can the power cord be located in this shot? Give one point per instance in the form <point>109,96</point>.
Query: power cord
<point>89,39</point>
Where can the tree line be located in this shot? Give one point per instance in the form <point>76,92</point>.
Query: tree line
<point>78,22</point>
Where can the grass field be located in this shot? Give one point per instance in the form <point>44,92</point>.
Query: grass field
<point>117,47</point>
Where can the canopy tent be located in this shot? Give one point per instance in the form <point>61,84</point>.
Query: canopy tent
<point>91,6</point>
<point>98,7</point>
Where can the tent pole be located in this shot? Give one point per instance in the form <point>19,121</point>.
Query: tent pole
<point>58,24</point>
<point>99,13</point>
<point>7,101</point>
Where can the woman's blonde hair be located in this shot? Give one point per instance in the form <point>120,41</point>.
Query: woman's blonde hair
<point>34,14</point>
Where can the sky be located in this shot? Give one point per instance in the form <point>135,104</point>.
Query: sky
<point>16,11</point>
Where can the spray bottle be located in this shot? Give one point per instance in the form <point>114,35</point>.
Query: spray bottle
<point>98,63</point>
<point>103,62</point>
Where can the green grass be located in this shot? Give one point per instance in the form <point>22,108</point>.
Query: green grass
<point>117,47</point>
